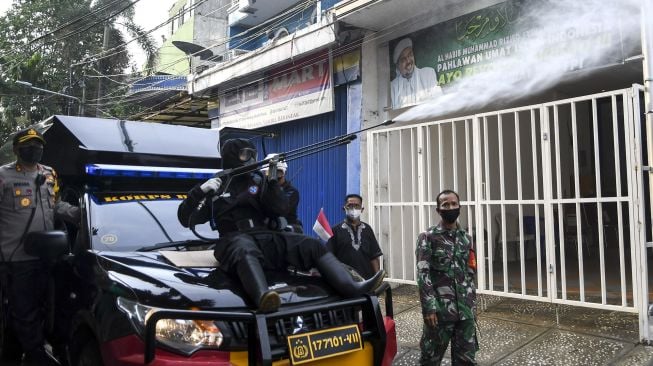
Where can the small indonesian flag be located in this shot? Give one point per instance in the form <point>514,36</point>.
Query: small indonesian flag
<point>322,227</point>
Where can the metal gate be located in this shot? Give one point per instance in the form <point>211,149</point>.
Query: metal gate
<point>552,194</point>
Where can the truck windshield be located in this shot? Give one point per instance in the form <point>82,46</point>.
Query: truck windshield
<point>127,222</point>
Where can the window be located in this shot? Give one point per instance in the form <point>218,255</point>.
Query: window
<point>130,225</point>
<point>181,15</point>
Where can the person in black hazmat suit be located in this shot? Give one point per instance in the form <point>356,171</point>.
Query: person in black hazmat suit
<point>247,244</point>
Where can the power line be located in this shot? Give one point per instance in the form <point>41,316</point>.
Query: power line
<point>167,66</point>
<point>222,42</point>
<point>249,38</point>
<point>74,33</point>
<point>71,22</point>
<point>342,50</point>
<point>120,47</point>
<point>243,40</point>
<point>93,12</point>
<point>16,62</point>
<point>280,18</point>
<point>308,61</point>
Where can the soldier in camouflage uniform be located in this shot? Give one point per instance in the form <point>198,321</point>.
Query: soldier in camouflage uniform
<point>446,285</point>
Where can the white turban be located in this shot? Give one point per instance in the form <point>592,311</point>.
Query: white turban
<point>402,45</point>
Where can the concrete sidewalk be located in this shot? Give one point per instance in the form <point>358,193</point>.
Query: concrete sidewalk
<point>521,332</point>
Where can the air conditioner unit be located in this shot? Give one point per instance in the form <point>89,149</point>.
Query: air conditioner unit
<point>273,35</point>
<point>245,6</point>
<point>235,52</point>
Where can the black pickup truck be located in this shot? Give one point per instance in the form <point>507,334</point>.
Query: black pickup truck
<point>138,288</point>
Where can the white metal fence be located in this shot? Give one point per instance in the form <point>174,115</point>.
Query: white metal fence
<point>552,193</point>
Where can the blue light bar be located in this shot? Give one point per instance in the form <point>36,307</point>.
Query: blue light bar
<point>111,170</point>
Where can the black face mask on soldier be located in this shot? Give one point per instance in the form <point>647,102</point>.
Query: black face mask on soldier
<point>450,216</point>
<point>236,153</point>
<point>247,155</point>
<point>30,154</point>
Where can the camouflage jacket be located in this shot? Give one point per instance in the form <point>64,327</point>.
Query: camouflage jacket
<point>445,281</point>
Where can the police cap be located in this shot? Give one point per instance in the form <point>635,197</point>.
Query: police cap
<point>26,135</point>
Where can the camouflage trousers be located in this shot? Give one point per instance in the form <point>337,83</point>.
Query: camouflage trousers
<point>464,344</point>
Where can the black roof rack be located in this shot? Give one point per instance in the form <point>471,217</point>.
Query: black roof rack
<point>73,142</point>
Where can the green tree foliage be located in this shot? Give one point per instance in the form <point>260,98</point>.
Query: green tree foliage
<point>53,44</point>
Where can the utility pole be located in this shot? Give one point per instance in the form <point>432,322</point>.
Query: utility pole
<point>105,46</point>
<point>81,105</point>
<point>70,87</point>
<point>646,309</point>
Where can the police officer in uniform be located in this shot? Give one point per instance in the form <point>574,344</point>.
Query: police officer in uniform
<point>28,203</point>
<point>245,212</point>
<point>445,278</point>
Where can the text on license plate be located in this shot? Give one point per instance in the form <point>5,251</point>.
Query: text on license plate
<point>320,344</point>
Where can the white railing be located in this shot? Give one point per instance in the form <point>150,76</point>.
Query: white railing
<point>552,193</point>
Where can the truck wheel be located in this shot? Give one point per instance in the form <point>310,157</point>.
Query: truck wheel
<point>90,355</point>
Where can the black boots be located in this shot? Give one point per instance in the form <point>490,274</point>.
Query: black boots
<point>255,284</point>
<point>340,279</point>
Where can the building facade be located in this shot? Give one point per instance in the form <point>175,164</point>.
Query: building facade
<point>534,111</point>
<point>201,23</point>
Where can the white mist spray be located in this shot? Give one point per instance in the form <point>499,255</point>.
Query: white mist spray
<point>558,37</point>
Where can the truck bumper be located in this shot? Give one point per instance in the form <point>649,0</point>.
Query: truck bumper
<point>128,351</point>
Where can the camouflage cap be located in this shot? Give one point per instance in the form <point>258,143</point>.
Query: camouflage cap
<point>26,135</point>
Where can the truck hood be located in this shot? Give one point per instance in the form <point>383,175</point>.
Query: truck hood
<point>151,278</point>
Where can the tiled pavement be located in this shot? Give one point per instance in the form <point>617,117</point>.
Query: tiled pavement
<point>521,332</point>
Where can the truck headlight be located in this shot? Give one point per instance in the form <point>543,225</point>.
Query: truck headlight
<point>184,335</point>
<point>188,335</point>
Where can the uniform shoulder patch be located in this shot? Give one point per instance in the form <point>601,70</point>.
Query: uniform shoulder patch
<point>50,174</point>
<point>47,168</point>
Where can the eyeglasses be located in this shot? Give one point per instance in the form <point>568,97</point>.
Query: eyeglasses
<point>246,154</point>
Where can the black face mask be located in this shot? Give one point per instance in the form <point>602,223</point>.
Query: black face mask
<point>30,154</point>
<point>231,153</point>
<point>450,216</point>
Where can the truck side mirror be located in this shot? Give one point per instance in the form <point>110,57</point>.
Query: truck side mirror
<point>47,245</point>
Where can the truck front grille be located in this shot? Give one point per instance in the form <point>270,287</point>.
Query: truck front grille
<point>280,328</point>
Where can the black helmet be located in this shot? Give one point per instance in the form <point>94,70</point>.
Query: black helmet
<point>237,152</point>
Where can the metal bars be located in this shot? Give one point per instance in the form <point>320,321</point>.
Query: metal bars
<point>567,242</point>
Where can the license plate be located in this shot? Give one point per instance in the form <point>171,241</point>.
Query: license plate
<point>321,344</point>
